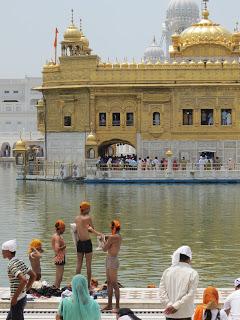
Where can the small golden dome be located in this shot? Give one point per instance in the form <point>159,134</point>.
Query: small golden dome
<point>91,139</point>
<point>235,62</point>
<point>84,41</point>
<point>169,153</point>
<point>218,63</point>
<point>72,34</point>
<point>20,146</point>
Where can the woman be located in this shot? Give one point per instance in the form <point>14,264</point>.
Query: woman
<point>209,310</point>
<point>80,306</point>
<point>35,254</point>
<point>126,314</point>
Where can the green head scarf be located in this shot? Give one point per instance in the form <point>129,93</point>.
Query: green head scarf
<point>80,306</point>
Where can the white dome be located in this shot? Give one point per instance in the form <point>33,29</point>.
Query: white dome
<point>153,53</point>
<point>181,8</point>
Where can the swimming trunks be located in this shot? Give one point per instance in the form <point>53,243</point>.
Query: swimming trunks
<point>84,246</point>
<point>59,262</point>
<point>112,262</point>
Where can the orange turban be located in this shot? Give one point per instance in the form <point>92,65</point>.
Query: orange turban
<point>116,226</point>
<point>59,224</point>
<point>34,244</point>
<point>84,205</point>
<point>210,301</point>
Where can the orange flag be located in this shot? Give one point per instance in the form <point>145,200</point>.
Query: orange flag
<point>56,38</point>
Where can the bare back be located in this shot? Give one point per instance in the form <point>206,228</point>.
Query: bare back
<point>82,224</point>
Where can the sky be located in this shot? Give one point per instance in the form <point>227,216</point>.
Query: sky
<point>115,28</point>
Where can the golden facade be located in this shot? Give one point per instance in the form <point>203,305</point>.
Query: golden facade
<point>190,104</point>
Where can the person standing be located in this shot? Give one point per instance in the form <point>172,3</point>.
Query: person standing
<point>19,284</point>
<point>84,243</point>
<point>232,303</point>
<point>178,286</point>
<point>59,248</point>
<point>35,254</point>
<point>112,246</point>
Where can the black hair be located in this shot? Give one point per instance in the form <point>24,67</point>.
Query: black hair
<point>207,315</point>
<point>127,312</point>
<point>184,258</point>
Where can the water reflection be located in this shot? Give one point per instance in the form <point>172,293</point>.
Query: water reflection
<point>156,219</point>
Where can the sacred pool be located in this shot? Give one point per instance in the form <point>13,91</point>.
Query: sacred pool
<point>156,219</point>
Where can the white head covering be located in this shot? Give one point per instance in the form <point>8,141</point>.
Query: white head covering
<point>237,282</point>
<point>182,250</point>
<point>10,245</point>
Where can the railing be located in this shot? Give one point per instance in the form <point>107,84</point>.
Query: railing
<point>172,166</point>
<point>54,170</point>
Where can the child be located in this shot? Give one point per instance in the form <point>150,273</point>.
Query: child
<point>59,248</point>
<point>35,254</point>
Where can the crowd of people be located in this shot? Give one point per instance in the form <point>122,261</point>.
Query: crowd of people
<point>132,163</point>
<point>177,288</point>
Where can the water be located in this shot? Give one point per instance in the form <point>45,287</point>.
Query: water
<point>156,219</point>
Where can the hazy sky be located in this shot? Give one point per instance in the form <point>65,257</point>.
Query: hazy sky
<point>115,28</point>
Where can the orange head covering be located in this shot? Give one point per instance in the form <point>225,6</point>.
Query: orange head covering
<point>34,244</point>
<point>59,224</point>
<point>116,226</point>
<point>210,301</point>
<point>84,205</point>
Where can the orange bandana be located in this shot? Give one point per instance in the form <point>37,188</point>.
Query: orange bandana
<point>116,226</point>
<point>59,224</point>
<point>34,244</point>
<point>210,301</point>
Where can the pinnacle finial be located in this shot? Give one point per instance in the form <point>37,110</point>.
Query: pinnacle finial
<point>80,24</point>
<point>205,4</point>
<point>72,16</point>
<point>236,29</point>
<point>154,39</point>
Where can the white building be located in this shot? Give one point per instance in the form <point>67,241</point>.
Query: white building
<point>18,114</point>
<point>181,14</point>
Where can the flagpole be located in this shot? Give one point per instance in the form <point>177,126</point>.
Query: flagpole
<point>55,44</point>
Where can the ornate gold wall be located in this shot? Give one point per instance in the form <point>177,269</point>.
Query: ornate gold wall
<point>82,87</point>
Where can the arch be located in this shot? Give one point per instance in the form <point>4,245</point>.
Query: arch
<point>5,149</point>
<point>105,145</point>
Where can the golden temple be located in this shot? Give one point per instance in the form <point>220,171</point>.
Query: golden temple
<point>189,103</point>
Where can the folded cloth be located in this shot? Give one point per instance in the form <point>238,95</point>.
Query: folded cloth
<point>101,241</point>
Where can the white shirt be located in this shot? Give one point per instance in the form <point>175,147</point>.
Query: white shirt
<point>233,302</point>
<point>223,315</point>
<point>177,288</point>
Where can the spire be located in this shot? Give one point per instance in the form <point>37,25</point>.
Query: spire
<point>72,17</point>
<point>236,29</point>
<point>205,12</point>
<point>205,4</point>
<point>80,25</point>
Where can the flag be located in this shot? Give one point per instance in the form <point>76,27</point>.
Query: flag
<point>56,38</point>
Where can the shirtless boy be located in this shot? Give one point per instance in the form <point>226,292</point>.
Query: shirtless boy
<point>35,254</point>
<point>112,246</point>
<point>59,248</point>
<point>84,244</point>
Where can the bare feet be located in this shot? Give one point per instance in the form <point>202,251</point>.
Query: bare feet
<point>107,308</point>
<point>115,310</point>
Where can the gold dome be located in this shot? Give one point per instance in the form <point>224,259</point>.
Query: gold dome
<point>20,146</point>
<point>72,34</point>
<point>84,41</point>
<point>205,32</point>
<point>91,139</point>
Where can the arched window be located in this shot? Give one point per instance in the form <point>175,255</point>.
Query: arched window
<point>156,118</point>
<point>91,154</point>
